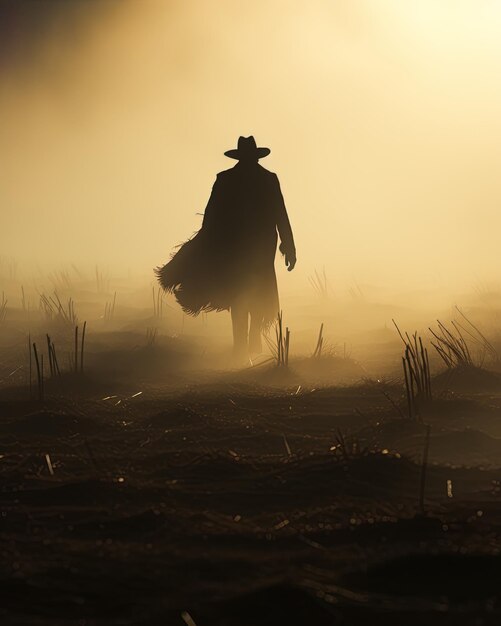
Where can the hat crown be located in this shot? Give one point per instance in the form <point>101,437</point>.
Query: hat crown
<point>247,144</point>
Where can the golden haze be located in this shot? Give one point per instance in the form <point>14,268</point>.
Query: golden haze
<point>382,116</point>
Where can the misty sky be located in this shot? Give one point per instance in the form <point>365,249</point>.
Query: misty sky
<point>382,117</point>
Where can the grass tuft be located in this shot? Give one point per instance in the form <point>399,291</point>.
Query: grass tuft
<point>416,366</point>
<point>280,347</point>
<point>320,284</point>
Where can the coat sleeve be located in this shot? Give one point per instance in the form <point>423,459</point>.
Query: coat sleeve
<point>287,245</point>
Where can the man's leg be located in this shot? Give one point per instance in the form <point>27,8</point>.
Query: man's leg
<point>240,323</point>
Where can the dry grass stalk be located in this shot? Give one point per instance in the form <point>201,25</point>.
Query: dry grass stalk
<point>109,309</point>
<point>280,347</point>
<point>53,309</point>
<point>282,342</point>
<point>3,307</point>
<point>102,282</point>
<point>158,303</point>
<point>477,336</point>
<point>287,446</point>
<point>79,347</point>
<point>82,348</point>
<point>76,350</point>
<point>187,619</point>
<point>320,284</point>
<point>67,314</point>
<point>320,342</point>
<point>30,367</point>
<point>60,279</point>
<point>452,345</point>
<point>416,366</point>
<point>23,300</point>
<point>53,362</point>
<point>39,364</point>
<point>46,308</point>
<point>50,467</point>
<point>356,292</point>
<point>348,447</point>
<point>151,336</point>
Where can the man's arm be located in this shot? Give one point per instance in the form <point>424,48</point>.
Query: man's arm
<point>287,245</point>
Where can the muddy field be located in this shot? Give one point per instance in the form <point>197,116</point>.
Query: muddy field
<point>145,490</point>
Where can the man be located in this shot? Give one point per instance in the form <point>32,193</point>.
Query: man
<point>229,264</point>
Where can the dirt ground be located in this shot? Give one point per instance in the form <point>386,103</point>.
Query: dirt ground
<point>146,490</point>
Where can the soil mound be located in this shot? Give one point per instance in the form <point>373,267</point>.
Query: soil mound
<point>454,576</point>
<point>467,380</point>
<point>81,493</point>
<point>277,604</point>
<point>467,447</point>
<point>327,368</point>
<point>49,424</point>
<point>178,417</point>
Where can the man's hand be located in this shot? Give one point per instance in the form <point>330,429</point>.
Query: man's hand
<point>290,261</point>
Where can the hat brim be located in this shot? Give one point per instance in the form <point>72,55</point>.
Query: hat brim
<point>258,153</point>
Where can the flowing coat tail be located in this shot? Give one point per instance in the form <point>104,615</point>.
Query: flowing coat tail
<point>187,276</point>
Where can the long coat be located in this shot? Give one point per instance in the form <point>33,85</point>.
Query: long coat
<point>231,258</point>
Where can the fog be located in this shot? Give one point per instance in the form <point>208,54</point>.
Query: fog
<point>382,117</point>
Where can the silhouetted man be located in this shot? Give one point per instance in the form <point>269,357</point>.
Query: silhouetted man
<point>229,264</point>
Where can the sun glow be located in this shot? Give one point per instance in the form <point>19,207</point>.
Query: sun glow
<point>382,117</point>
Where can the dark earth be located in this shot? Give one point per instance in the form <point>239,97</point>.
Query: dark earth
<point>146,491</point>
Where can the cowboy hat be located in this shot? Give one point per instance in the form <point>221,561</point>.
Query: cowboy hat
<point>247,148</point>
